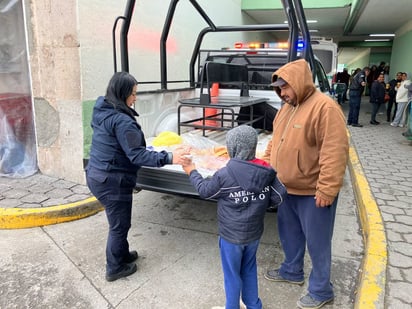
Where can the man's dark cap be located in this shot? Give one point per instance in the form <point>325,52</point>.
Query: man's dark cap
<point>279,82</point>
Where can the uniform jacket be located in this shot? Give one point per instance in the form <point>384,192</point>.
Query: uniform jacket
<point>118,143</point>
<point>309,146</point>
<point>244,191</point>
<point>357,80</point>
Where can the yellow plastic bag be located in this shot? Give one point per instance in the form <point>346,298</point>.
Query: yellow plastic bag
<point>167,138</point>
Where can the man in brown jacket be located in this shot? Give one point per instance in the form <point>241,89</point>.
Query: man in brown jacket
<point>309,150</point>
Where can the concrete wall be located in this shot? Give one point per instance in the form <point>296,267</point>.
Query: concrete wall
<point>401,60</point>
<point>55,66</point>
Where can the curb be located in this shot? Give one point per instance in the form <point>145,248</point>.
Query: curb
<point>18,218</point>
<point>371,288</point>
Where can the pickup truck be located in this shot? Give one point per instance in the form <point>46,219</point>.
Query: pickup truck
<point>244,97</point>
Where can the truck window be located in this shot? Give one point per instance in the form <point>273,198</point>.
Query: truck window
<point>325,57</point>
<point>321,78</point>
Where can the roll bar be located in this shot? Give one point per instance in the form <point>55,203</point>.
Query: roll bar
<point>296,24</point>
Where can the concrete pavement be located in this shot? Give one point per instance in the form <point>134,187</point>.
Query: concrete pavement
<point>176,238</point>
<point>41,200</point>
<point>63,265</point>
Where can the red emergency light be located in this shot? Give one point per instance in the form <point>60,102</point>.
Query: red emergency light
<point>239,45</point>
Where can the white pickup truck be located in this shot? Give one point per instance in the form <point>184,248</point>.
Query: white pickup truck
<point>245,95</point>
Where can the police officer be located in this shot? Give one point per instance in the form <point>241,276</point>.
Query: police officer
<point>355,93</point>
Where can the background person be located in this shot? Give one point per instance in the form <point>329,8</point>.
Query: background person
<point>408,132</point>
<point>356,89</point>
<point>309,150</point>
<point>392,97</point>
<point>377,97</point>
<point>244,190</point>
<point>117,152</point>
<point>402,100</point>
<point>344,77</point>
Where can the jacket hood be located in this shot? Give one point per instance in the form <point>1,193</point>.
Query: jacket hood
<point>250,176</point>
<point>299,76</point>
<point>241,142</point>
<point>105,109</point>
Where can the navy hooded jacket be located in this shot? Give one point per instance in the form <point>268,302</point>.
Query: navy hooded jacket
<point>244,190</point>
<point>118,143</point>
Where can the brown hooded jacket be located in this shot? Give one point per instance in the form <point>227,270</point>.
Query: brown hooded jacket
<point>309,146</point>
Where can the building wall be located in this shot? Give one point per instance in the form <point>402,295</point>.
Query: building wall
<point>55,66</point>
<point>401,60</point>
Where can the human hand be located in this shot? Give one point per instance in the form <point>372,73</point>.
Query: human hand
<point>187,164</point>
<point>179,153</point>
<point>322,202</point>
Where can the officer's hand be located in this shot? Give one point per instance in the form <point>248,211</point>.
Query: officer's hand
<point>179,153</point>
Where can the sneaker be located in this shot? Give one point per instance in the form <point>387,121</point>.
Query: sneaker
<point>393,124</point>
<point>131,257</point>
<point>358,125</point>
<point>307,302</point>
<point>126,270</point>
<point>401,126</point>
<point>273,275</point>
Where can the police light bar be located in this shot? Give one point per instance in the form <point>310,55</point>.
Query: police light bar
<point>269,45</point>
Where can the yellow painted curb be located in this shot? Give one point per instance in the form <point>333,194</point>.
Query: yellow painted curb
<point>371,289</point>
<point>18,218</point>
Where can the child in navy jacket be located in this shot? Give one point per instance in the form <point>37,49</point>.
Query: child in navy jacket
<point>244,189</point>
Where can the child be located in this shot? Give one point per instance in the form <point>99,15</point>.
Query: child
<point>244,189</point>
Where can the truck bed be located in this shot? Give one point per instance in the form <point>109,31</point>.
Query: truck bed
<point>172,179</point>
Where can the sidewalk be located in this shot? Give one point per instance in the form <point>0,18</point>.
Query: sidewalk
<point>41,200</point>
<point>385,156</point>
<point>380,174</point>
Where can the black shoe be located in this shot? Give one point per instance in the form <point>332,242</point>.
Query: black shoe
<point>348,123</point>
<point>273,275</point>
<point>131,257</point>
<point>126,270</point>
<point>374,122</point>
<point>358,125</point>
